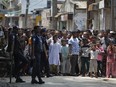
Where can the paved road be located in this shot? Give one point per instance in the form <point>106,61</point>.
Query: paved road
<point>61,81</point>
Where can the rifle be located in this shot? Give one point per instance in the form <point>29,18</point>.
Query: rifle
<point>12,58</point>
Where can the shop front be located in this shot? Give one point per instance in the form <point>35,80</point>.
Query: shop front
<point>65,21</point>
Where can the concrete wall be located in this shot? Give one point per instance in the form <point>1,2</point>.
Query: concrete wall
<point>101,19</point>
<point>67,7</point>
<point>96,20</point>
<point>45,21</point>
<point>115,13</point>
<point>70,25</point>
<point>108,18</point>
<point>29,22</point>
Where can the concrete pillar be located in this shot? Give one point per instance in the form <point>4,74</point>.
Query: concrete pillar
<point>115,13</point>
<point>26,14</point>
<point>53,13</point>
<point>112,15</point>
<point>96,21</point>
<point>21,22</point>
<point>102,19</point>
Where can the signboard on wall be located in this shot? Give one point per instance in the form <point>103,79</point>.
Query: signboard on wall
<point>80,21</point>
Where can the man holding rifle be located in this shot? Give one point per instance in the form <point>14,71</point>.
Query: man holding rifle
<point>16,52</point>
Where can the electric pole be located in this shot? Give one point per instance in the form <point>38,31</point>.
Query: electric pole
<point>11,8</point>
<point>26,14</point>
<point>53,13</point>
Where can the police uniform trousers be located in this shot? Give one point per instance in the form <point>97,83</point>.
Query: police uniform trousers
<point>36,67</point>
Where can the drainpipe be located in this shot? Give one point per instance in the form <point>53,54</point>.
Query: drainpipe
<point>26,14</point>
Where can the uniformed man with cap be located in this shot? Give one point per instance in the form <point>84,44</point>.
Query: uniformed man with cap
<point>36,55</point>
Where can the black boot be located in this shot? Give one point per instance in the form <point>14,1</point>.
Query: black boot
<point>49,75</point>
<point>19,80</point>
<point>41,81</point>
<point>34,81</point>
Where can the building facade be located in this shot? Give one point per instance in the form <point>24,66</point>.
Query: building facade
<point>72,15</point>
<point>3,10</point>
<point>100,14</point>
<point>13,13</point>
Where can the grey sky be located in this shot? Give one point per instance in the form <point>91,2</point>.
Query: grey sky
<point>34,4</point>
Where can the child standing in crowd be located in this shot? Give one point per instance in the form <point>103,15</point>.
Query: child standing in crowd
<point>85,57</point>
<point>64,58</point>
<point>54,55</point>
<point>99,58</point>
<point>93,60</point>
<point>110,59</point>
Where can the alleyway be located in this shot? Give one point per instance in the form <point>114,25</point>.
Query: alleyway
<point>63,82</point>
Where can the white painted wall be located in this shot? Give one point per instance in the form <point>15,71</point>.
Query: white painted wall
<point>108,18</point>
<point>67,7</point>
<point>45,21</point>
<point>105,19</point>
<point>96,20</point>
<point>29,22</point>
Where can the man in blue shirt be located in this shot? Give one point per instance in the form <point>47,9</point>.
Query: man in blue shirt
<point>74,50</point>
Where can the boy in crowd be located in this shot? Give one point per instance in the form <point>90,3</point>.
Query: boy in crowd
<point>54,55</point>
<point>85,57</point>
<point>65,58</point>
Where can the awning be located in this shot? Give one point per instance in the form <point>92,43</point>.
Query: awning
<point>58,14</point>
<point>94,6</point>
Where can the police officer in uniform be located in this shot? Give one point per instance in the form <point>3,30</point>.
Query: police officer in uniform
<point>44,55</point>
<point>36,55</point>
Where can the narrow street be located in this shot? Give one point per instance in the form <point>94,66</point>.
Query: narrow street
<point>70,37</point>
<point>60,81</point>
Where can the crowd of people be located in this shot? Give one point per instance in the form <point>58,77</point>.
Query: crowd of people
<point>41,52</point>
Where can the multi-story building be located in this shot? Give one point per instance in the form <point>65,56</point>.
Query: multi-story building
<point>47,14</point>
<point>14,10</point>
<point>38,15</point>
<point>72,15</point>
<point>2,12</point>
<point>102,14</point>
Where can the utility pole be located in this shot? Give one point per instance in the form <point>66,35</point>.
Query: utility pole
<point>53,13</point>
<point>11,8</point>
<point>112,16</point>
<point>26,14</point>
<point>88,14</point>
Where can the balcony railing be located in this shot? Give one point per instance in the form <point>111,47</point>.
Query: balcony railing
<point>3,11</point>
<point>13,14</point>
